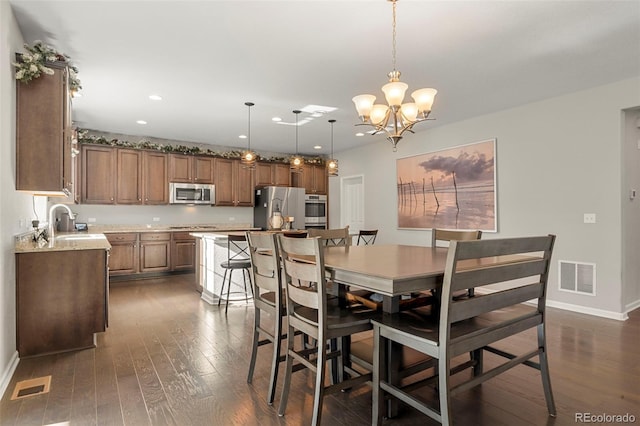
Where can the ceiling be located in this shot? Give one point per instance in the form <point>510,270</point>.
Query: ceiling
<point>207,58</point>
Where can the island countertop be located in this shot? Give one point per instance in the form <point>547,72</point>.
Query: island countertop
<point>64,241</point>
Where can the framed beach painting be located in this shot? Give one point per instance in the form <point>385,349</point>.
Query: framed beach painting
<point>452,189</point>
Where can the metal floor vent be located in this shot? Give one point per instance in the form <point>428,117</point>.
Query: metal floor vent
<point>31,387</point>
<point>577,277</point>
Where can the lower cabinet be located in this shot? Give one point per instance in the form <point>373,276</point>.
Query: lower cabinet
<point>155,252</point>
<point>138,253</point>
<point>61,300</point>
<point>183,252</point>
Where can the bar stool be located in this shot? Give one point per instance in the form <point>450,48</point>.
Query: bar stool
<point>237,258</point>
<point>367,237</point>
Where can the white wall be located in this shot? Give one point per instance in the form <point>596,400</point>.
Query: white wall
<point>556,160</point>
<point>14,206</point>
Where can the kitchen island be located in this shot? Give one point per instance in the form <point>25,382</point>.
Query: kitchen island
<point>211,252</point>
<point>62,293</point>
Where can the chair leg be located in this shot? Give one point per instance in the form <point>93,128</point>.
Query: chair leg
<point>477,356</point>
<point>444,366</point>
<point>471,292</point>
<point>226,306</point>
<point>544,371</point>
<point>224,280</point>
<point>254,348</point>
<point>319,392</point>
<point>275,362</point>
<point>379,373</point>
<point>288,373</point>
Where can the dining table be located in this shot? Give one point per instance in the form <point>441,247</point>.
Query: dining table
<point>388,270</point>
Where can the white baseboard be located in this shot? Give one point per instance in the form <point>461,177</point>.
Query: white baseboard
<point>208,297</point>
<point>632,306</point>
<point>619,316</point>
<point>7,374</point>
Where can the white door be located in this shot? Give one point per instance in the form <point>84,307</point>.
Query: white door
<point>352,203</point>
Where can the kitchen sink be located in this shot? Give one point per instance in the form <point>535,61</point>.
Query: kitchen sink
<point>71,237</point>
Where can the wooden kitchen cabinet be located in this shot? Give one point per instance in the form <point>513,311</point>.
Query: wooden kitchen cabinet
<point>190,169</point>
<point>183,251</point>
<point>123,258</point>
<point>313,178</point>
<point>272,174</point>
<point>129,176</point>
<point>155,251</point>
<point>98,174</point>
<point>61,300</point>
<point>44,133</point>
<point>155,178</point>
<point>234,183</point>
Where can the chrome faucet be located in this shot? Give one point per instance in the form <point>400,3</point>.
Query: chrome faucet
<point>51,209</point>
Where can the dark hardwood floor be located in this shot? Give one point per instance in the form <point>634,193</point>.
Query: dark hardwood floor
<point>169,358</point>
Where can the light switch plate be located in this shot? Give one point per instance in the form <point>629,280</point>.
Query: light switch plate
<point>589,218</point>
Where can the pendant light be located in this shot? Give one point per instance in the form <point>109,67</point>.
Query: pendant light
<point>332,163</point>
<point>249,157</point>
<point>296,161</point>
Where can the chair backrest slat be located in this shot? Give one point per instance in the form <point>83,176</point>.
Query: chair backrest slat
<point>332,237</point>
<point>237,246</point>
<point>446,235</point>
<point>490,275</point>
<point>473,306</point>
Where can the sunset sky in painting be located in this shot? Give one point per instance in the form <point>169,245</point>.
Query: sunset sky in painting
<point>473,162</point>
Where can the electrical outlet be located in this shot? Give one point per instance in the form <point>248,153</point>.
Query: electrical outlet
<point>231,219</point>
<point>589,218</point>
<point>156,219</point>
<point>91,219</point>
<point>21,223</point>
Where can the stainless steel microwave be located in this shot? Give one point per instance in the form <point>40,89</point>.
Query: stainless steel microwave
<point>191,193</point>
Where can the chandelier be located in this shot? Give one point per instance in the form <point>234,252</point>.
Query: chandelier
<point>395,118</point>
<point>248,158</point>
<point>296,162</point>
<point>332,163</point>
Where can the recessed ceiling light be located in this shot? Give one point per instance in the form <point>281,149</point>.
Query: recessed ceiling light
<point>359,134</point>
<point>141,122</point>
<point>317,147</point>
<point>242,136</point>
<point>276,119</point>
<point>155,97</point>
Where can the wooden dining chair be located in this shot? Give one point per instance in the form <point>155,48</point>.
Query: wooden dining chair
<point>473,324</point>
<point>311,312</point>
<point>268,298</point>
<point>332,237</point>
<point>367,237</point>
<point>237,258</point>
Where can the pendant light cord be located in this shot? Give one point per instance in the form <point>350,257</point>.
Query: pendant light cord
<point>393,47</point>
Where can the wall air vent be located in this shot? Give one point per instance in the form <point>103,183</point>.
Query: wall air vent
<point>577,277</point>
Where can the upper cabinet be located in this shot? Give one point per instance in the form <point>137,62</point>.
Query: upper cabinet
<point>234,183</point>
<point>124,176</point>
<point>272,174</point>
<point>190,169</point>
<point>98,174</point>
<point>44,134</point>
<point>313,178</point>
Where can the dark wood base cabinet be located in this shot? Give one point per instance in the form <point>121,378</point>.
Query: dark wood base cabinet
<point>61,300</point>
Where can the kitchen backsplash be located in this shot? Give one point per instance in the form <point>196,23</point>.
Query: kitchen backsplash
<point>161,215</point>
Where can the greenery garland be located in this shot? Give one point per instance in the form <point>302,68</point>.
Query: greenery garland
<point>84,138</point>
<point>33,64</point>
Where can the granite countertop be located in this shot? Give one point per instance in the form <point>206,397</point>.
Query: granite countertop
<point>64,241</point>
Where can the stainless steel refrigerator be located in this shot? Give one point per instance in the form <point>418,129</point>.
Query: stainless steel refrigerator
<point>289,201</point>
